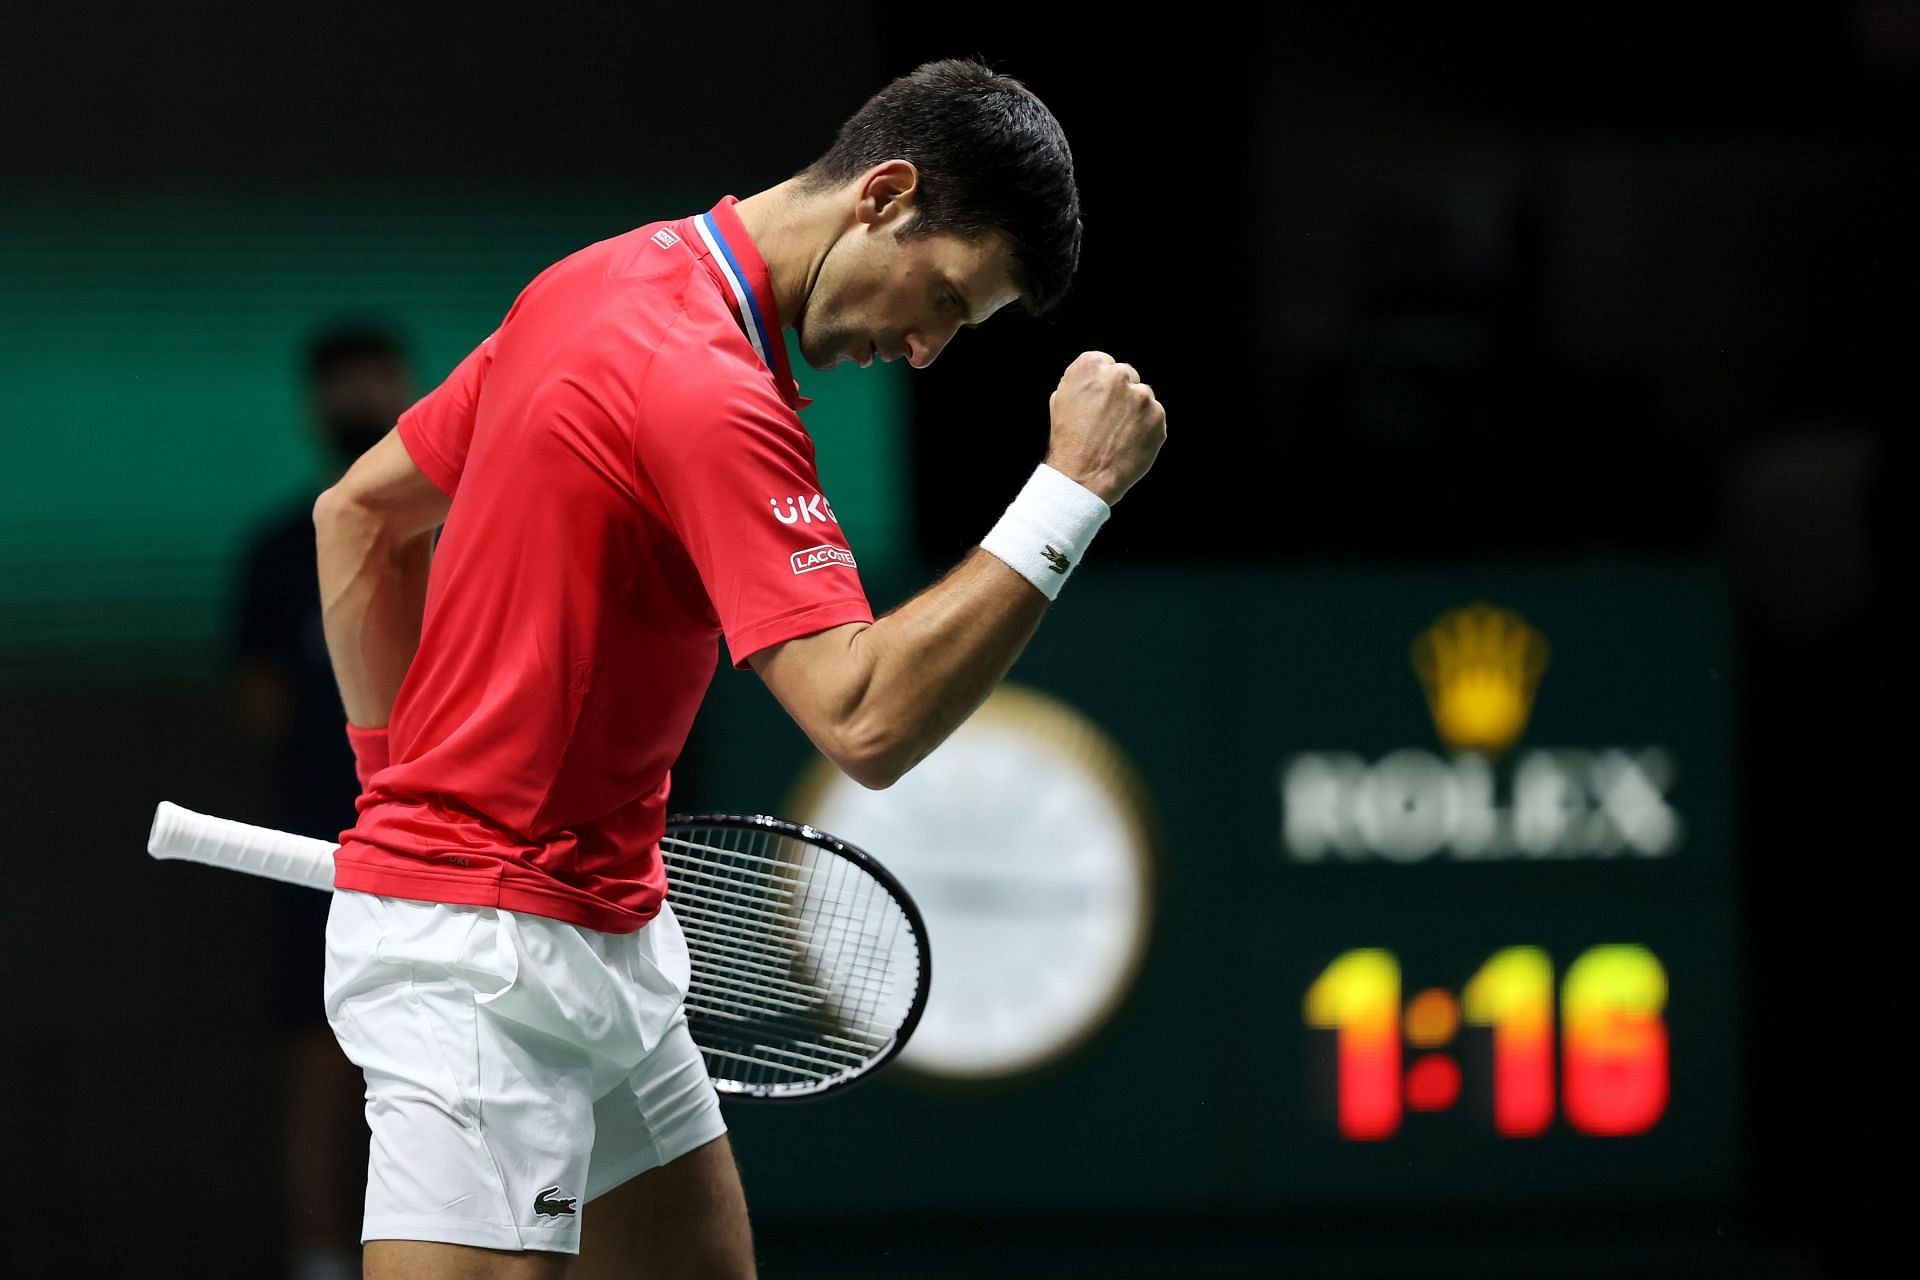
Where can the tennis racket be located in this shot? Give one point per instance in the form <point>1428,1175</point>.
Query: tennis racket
<point>810,962</point>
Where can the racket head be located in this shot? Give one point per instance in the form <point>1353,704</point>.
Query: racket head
<point>810,959</point>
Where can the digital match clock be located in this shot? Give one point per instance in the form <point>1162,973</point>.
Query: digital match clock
<point>1612,1045</point>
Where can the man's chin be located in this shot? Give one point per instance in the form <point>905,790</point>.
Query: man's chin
<point>818,362</point>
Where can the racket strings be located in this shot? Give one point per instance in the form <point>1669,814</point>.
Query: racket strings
<point>799,958</point>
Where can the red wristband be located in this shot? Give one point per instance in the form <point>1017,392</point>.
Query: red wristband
<point>369,752</point>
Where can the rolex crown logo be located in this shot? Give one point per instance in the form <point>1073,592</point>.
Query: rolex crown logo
<point>1480,667</point>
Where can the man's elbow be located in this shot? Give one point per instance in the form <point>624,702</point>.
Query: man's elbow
<point>873,777</point>
<point>335,512</point>
<point>341,519</point>
<point>875,758</point>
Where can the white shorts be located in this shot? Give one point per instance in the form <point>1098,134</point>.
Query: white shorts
<point>517,1067</point>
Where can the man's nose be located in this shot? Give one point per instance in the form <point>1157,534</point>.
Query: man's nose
<point>924,349</point>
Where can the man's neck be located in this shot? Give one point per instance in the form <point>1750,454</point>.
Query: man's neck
<point>793,233</point>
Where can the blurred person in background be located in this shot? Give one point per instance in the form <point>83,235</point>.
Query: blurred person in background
<point>359,384</point>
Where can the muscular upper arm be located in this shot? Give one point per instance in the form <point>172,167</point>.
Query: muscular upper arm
<point>386,484</point>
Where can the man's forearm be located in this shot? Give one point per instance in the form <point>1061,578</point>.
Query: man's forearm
<point>373,592</point>
<point>877,698</point>
<point>886,695</point>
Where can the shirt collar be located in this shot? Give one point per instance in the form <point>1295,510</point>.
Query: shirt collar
<point>749,287</point>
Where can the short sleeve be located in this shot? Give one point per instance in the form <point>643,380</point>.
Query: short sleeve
<point>439,427</point>
<point>734,471</point>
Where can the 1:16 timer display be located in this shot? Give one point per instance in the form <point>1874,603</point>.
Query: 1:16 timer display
<point>1613,1040</point>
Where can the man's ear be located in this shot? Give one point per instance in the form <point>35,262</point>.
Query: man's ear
<point>887,193</point>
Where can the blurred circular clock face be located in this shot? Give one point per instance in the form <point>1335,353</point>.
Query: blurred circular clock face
<point>1023,841</point>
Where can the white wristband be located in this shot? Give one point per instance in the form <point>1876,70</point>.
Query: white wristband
<point>1047,529</point>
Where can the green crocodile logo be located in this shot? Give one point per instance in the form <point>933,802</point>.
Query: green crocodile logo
<point>549,1203</point>
<point>1059,562</point>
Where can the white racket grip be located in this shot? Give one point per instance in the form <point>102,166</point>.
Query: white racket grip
<point>221,842</point>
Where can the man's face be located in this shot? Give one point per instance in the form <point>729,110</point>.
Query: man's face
<point>881,297</point>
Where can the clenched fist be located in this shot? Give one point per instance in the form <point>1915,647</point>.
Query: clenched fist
<point>1107,426</point>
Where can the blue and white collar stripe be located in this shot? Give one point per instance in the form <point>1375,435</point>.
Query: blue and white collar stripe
<point>757,334</point>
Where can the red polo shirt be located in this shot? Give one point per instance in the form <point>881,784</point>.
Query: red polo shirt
<point>630,481</point>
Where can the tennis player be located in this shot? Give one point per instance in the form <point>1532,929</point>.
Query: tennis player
<point>621,478</point>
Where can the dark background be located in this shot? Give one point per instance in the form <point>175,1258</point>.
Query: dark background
<point>1595,284</point>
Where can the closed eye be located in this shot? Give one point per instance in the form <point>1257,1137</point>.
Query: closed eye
<point>950,297</point>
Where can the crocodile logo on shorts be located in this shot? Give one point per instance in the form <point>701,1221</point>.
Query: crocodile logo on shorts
<point>1059,562</point>
<point>549,1203</point>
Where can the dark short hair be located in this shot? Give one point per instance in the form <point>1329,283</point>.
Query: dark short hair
<point>334,349</point>
<point>991,158</point>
